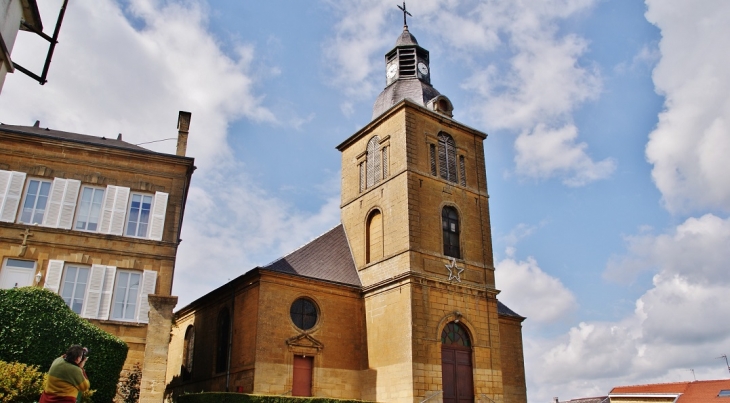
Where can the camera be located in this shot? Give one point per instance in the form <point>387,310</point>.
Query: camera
<point>85,353</point>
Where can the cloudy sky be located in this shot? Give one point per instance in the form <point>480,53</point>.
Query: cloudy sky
<point>607,156</point>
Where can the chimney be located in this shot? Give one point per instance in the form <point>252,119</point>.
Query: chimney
<point>183,125</point>
<point>555,400</point>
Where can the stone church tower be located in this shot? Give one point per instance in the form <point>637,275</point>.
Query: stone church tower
<point>395,304</point>
<point>415,209</point>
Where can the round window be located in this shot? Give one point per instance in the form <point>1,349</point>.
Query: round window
<point>303,313</point>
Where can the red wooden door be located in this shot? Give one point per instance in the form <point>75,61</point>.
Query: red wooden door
<point>302,381</point>
<point>456,375</point>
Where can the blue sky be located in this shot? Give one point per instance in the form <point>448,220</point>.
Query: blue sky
<point>608,128</point>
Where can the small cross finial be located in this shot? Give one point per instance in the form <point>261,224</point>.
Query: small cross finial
<point>405,23</point>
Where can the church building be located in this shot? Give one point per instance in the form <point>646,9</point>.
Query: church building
<point>398,302</point>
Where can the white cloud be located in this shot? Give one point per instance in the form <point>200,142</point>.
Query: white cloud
<point>541,85</point>
<point>531,292</point>
<point>678,324</point>
<point>109,76</point>
<point>690,145</point>
<point>549,152</point>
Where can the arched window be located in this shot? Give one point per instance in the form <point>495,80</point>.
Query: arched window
<point>224,331</point>
<point>450,225</point>
<point>447,157</point>
<point>374,241</point>
<point>455,335</point>
<point>303,313</point>
<point>187,364</point>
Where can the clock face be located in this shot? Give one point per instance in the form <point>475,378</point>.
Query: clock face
<point>423,68</point>
<point>392,69</point>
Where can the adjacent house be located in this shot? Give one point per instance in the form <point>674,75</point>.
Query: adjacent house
<point>97,220</point>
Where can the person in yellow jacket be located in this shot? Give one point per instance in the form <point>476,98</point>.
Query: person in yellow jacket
<point>66,378</point>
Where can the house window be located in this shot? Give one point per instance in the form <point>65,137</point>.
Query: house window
<point>87,218</point>
<point>187,366</point>
<point>224,330</point>
<point>138,215</point>
<point>73,289</point>
<point>36,199</point>
<point>17,273</point>
<point>303,313</point>
<point>125,295</point>
<point>447,157</point>
<point>450,223</point>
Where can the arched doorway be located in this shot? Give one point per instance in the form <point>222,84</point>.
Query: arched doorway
<point>456,368</point>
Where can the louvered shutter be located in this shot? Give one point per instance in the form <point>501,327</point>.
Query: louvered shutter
<point>107,208</point>
<point>362,177</point>
<point>12,193</point>
<point>384,151</point>
<point>432,149</point>
<point>462,171</point>
<point>55,199</point>
<point>371,162</point>
<point>93,292</point>
<point>68,206</point>
<point>4,182</point>
<point>119,212</point>
<point>53,275</point>
<point>107,292</point>
<point>157,220</point>
<point>149,280</point>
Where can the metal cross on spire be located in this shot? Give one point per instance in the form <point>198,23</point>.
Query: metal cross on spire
<point>405,23</point>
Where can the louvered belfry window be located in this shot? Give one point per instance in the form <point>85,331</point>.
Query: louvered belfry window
<point>362,177</point>
<point>384,152</point>
<point>447,157</point>
<point>462,171</point>
<point>432,150</point>
<point>374,172</point>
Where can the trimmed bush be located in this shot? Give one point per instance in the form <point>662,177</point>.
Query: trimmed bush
<point>20,383</point>
<point>221,397</point>
<point>37,327</point>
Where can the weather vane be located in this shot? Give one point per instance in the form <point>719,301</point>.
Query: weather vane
<point>405,23</point>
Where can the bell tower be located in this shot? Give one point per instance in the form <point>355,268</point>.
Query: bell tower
<point>415,209</point>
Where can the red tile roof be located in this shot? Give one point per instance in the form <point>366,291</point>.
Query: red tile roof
<point>691,392</point>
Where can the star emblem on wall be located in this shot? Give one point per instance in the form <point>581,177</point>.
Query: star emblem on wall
<point>454,271</point>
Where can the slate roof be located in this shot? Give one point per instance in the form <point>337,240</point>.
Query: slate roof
<point>502,309</point>
<point>325,258</point>
<point>75,137</point>
<point>690,392</point>
<point>406,39</point>
<point>413,89</point>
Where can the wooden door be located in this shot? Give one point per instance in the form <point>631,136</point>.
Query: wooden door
<point>302,380</point>
<point>456,375</point>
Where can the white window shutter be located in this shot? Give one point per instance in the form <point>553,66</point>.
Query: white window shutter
<point>107,291</point>
<point>12,193</point>
<point>68,206</point>
<point>4,182</point>
<point>55,199</point>
<point>157,221</point>
<point>93,292</point>
<point>53,275</point>
<point>119,213</point>
<point>107,208</point>
<point>149,280</point>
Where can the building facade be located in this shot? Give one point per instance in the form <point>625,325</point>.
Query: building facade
<point>397,303</point>
<point>97,221</point>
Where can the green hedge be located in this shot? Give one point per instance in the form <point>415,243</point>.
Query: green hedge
<point>221,397</point>
<point>36,327</point>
